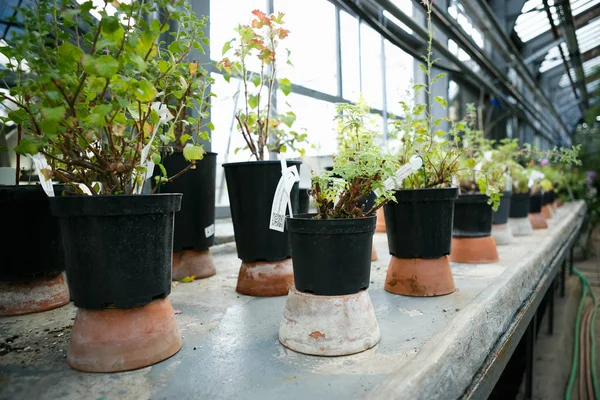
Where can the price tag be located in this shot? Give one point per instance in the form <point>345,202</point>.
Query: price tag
<point>40,163</point>
<point>209,230</point>
<point>281,200</point>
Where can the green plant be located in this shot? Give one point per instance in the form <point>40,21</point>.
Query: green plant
<point>420,134</point>
<point>479,172</point>
<point>97,98</point>
<point>359,169</point>
<point>261,127</point>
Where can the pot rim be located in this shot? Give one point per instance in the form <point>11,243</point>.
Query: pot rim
<point>423,194</point>
<point>261,162</point>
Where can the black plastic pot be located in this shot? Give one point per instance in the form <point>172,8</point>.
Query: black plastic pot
<point>472,216</point>
<point>500,216</point>
<point>548,198</point>
<point>251,187</point>
<point>304,199</point>
<point>535,203</point>
<point>419,225</point>
<point>519,205</point>
<point>117,248</point>
<point>31,244</point>
<point>197,215</point>
<point>331,257</point>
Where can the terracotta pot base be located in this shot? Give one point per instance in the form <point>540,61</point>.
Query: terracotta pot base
<point>502,234</point>
<point>520,226</point>
<point>40,294</point>
<point>380,227</point>
<point>538,221</point>
<point>559,203</point>
<point>266,278</point>
<point>480,250</point>
<point>328,325</point>
<point>373,254</point>
<point>198,263</point>
<point>546,211</point>
<point>113,340</point>
<point>419,277</point>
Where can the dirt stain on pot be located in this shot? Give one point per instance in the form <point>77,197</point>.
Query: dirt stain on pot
<point>317,335</point>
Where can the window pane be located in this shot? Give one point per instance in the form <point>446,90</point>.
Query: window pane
<point>398,75</point>
<point>311,42</point>
<point>372,85</point>
<point>316,117</point>
<point>225,16</point>
<point>350,59</point>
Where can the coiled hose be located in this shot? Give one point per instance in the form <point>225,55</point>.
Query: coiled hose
<point>573,375</point>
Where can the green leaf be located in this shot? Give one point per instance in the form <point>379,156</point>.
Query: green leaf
<point>255,79</point>
<point>184,138</point>
<point>253,101</point>
<point>188,279</point>
<point>163,170</point>
<point>285,85</point>
<point>210,126</point>
<point>106,66</point>
<point>471,162</point>
<point>67,51</point>
<point>139,62</point>
<point>54,114</point>
<point>18,116</point>
<point>226,47</point>
<point>26,146</point>
<point>288,118</point>
<point>442,101</point>
<point>194,152</point>
<point>156,158</point>
<point>146,92</point>
<point>163,66</point>
<point>440,133</point>
<point>110,24</point>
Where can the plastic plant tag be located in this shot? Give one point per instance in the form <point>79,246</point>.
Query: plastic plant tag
<point>534,177</point>
<point>41,163</point>
<point>281,200</point>
<point>487,156</point>
<point>209,230</point>
<point>403,172</point>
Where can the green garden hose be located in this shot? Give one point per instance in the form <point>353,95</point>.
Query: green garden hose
<point>573,375</point>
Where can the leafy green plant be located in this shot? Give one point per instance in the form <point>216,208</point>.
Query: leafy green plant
<point>261,127</point>
<point>97,98</point>
<point>359,169</point>
<point>419,132</point>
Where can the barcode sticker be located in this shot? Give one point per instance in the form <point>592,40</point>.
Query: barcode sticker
<point>209,230</point>
<point>281,200</point>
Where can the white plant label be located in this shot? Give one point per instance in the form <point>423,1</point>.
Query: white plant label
<point>534,177</point>
<point>209,230</point>
<point>403,172</point>
<point>41,163</point>
<point>281,200</point>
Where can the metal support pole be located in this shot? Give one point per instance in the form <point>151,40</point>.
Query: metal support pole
<point>551,308</point>
<point>571,260</point>
<point>530,355</point>
<point>563,277</point>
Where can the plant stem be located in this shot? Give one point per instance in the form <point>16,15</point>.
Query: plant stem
<point>18,156</point>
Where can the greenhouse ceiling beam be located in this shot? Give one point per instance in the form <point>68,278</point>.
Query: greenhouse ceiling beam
<point>563,57</point>
<point>507,12</point>
<point>479,79</point>
<point>541,53</point>
<point>537,43</point>
<point>565,14</point>
<point>454,30</point>
<point>506,46</point>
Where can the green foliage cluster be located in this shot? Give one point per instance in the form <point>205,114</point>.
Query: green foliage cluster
<point>360,168</point>
<point>97,98</point>
<point>261,127</point>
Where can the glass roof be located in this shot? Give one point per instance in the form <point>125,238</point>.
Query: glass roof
<point>533,20</point>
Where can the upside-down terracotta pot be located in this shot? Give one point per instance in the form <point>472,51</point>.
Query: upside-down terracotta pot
<point>266,268</point>
<point>537,219</point>
<point>329,311</point>
<point>472,242</point>
<point>31,278</point>
<point>419,231</point>
<point>380,227</point>
<point>118,261</point>
<point>195,222</point>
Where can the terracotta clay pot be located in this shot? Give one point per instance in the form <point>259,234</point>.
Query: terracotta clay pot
<point>265,278</point>
<point>538,221</point>
<point>196,263</point>
<point>380,226</point>
<point>472,242</point>
<point>121,340</point>
<point>35,295</point>
<point>419,276</point>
